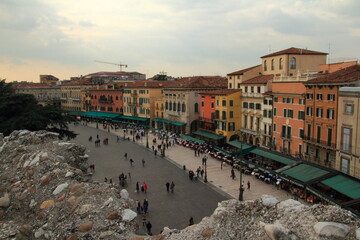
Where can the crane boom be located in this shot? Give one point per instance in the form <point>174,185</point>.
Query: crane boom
<point>117,64</point>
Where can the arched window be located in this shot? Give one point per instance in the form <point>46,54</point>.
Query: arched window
<point>280,63</point>
<point>121,110</point>
<point>183,107</point>
<point>166,105</point>
<point>265,65</point>
<point>272,64</point>
<point>196,107</point>
<point>179,107</point>
<point>292,63</point>
<point>174,106</point>
<point>170,106</point>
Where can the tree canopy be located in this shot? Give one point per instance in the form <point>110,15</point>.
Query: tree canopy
<point>22,111</point>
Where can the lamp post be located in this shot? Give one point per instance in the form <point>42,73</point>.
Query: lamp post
<point>124,133</point>
<point>205,179</point>
<point>147,137</point>
<point>241,188</point>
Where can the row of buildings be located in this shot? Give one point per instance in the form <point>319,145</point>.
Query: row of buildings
<point>292,102</point>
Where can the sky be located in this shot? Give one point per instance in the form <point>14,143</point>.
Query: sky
<point>180,37</point>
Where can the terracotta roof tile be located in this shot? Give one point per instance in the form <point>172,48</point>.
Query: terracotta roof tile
<point>147,84</point>
<point>294,51</point>
<point>221,92</point>
<point>263,79</point>
<point>240,72</point>
<point>350,74</point>
<point>82,81</point>
<point>30,85</point>
<point>199,82</point>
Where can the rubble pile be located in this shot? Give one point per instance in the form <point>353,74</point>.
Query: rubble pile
<point>46,193</point>
<point>267,218</point>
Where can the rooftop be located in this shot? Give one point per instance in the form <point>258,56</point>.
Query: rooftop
<point>110,74</point>
<point>79,82</point>
<point>349,74</point>
<point>241,72</point>
<point>221,92</point>
<point>294,51</point>
<point>146,84</point>
<point>263,79</point>
<point>199,82</point>
<point>30,85</point>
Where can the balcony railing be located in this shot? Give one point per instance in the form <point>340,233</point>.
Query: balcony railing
<point>246,130</point>
<point>319,142</point>
<point>209,120</point>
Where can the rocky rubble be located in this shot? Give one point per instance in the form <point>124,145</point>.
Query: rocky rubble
<point>45,192</point>
<point>266,218</point>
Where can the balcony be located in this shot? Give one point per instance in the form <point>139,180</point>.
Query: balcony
<point>252,132</point>
<point>320,143</point>
<point>268,133</point>
<point>208,120</point>
<point>133,94</point>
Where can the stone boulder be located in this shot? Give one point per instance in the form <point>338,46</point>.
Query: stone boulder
<point>128,215</point>
<point>279,232</point>
<point>269,201</point>
<point>5,201</point>
<point>332,230</point>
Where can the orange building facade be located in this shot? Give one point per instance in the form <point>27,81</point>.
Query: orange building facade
<point>289,117</point>
<point>106,98</point>
<point>207,111</point>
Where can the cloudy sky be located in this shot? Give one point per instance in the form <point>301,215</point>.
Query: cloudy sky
<point>180,37</point>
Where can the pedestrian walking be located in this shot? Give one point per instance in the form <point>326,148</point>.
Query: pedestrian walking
<point>172,186</point>
<point>145,205</point>
<point>144,219</point>
<point>125,156</point>
<point>221,164</point>
<point>248,185</point>
<point>97,136</point>
<point>138,206</point>
<point>145,187</point>
<point>191,221</point>
<point>167,186</point>
<point>143,162</point>
<point>232,174</point>
<point>202,172</point>
<point>110,181</point>
<point>131,161</point>
<point>106,179</point>
<point>129,174</point>
<point>148,227</point>
<point>137,187</point>
<point>155,152</point>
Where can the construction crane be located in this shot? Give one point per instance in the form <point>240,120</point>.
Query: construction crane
<point>117,64</point>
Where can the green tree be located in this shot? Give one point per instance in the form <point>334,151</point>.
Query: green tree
<point>22,111</point>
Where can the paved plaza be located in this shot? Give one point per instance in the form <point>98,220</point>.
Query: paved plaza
<point>191,198</point>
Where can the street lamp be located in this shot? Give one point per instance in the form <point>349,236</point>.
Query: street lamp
<point>147,137</point>
<point>241,188</point>
<point>205,179</point>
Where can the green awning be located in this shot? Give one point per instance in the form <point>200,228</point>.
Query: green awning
<point>239,144</point>
<point>208,135</point>
<point>133,118</point>
<point>243,151</point>
<point>177,123</point>
<point>74,113</point>
<point>156,120</point>
<point>305,172</point>
<point>275,157</point>
<point>220,150</point>
<point>168,121</point>
<point>344,185</point>
<point>192,139</point>
<point>102,115</point>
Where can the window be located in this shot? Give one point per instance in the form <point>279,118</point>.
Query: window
<point>349,109</point>
<point>288,132</point>
<point>223,115</point>
<point>318,135</point>
<point>290,113</point>
<point>231,114</point>
<point>217,102</point>
<point>283,132</point>
<point>274,111</point>
<point>329,136</point>
<point>319,112</point>
<point>309,96</point>
<point>246,89</point>
<point>231,103</point>
<point>178,107</point>
<point>230,85</point>
<point>252,89</point>
<point>224,103</point>
<point>292,63</point>
<point>301,115</point>
<point>330,113</point>
<point>174,106</point>
<point>202,104</point>
<point>196,107</point>
<point>251,105</point>
<point>276,99</point>
<point>301,133</point>
<point>202,96</point>
<point>265,65</point>
<point>212,105</point>
<point>245,105</point>
<point>346,139</point>
<point>183,107</point>
<point>265,113</point>
<point>265,101</point>
<point>319,96</point>
<point>259,89</point>
<point>309,111</point>
<point>280,63</point>
<point>231,126</point>
<point>272,64</point>
<point>285,112</point>
<point>170,106</point>
<point>274,127</point>
<point>269,113</point>
<point>258,106</point>
<point>331,97</point>
<point>344,165</point>
<point>302,101</point>
<point>166,105</point>
<point>238,85</point>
